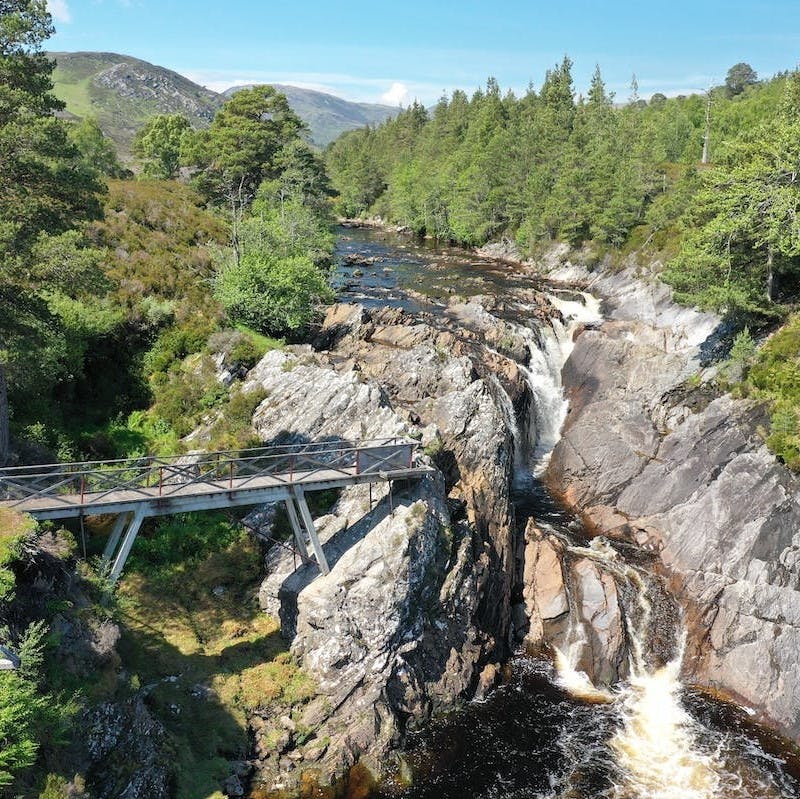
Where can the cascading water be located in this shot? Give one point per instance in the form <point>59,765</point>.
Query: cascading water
<point>547,732</point>
<point>548,350</point>
<point>656,750</point>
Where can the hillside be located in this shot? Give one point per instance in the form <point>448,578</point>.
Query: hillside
<point>122,92</point>
<point>326,115</point>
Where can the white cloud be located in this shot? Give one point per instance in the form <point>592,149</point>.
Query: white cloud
<point>59,10</point>
<point>397,94</point>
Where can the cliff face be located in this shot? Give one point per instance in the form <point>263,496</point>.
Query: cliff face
<point>418,601</point>
<point>651,458</point>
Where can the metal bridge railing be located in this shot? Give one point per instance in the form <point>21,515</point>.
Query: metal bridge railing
<point>94,481</point>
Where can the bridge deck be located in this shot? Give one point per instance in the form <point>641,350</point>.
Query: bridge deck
<point>203,479</point>
<point>203,495</point>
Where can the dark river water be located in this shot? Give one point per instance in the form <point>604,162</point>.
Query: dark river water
<point>654,738</point>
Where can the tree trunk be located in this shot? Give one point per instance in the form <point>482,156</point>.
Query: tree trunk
<point>707,137</point>
<point>4,435</point>
<point>770,275</point>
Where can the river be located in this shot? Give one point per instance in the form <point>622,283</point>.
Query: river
<point>546,732</point>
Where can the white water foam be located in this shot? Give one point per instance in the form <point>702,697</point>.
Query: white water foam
<point>543,373</point>
<point>659,750</point>
<point>657,747</point>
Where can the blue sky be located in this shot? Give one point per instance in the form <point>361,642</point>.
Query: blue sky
<point>397,51</point>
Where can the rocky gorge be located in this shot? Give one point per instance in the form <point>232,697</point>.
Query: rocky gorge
<point>417,612</point>
<point>651,454</point>
<point>433,587</point>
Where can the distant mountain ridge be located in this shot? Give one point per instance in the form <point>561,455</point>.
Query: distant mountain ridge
<point>123,92</point>
<point>326,115</point>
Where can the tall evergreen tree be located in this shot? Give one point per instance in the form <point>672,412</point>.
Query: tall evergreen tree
<point>45,184</point>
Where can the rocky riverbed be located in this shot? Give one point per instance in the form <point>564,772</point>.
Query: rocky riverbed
<point>651,455</point>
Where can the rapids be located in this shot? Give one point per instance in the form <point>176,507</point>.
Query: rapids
<point>547,732</point>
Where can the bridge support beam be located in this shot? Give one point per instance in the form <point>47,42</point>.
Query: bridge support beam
<point>116,533</point>
<point>127,542</point>
<point>308,523</point>
<point>299,535</point>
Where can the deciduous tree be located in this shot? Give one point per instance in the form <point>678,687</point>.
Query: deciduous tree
<point>159,144</point>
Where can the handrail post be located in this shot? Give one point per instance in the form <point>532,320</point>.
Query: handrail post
<point>83,487</point>
<point>160,479</point>
<point>230,479</point>
<point>292,458</point>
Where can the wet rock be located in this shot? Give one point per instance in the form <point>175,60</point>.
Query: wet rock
<point>489,677</point>
<point>232,786</point>
<point>691,477</point>
<point>601,615</point>
<point>564,594</point>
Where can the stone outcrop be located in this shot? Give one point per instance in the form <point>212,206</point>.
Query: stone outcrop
<point>416,610</point>
<point>573,605</point>
<point>126,752</point>
<point>120,749</point>
<point>650,454</point>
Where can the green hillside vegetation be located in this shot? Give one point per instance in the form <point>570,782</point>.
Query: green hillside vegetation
<point>122,93</point>
<point>114,296</point>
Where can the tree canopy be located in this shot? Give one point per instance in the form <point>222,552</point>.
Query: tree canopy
<point>159,144</point>
<point>46,186</point>
<point>239,150</point>
<point>739,77</point>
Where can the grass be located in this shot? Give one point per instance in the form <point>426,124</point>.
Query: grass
<point>194,633</point>
<point>74,92</point>
<point>13,528</point>
<point>264,343</point>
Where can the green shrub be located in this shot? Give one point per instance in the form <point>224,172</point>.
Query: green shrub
<point>180,540</point>
<point>246,353</point>
<point>233,429</point>
<point>14,529</point>
<point>273,296</point>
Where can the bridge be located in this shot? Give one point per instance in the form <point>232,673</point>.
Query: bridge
<point>138,488</point>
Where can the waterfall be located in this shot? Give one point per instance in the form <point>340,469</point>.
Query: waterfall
<point>658,750</point>
<point>560,736</point>
<point>549,351</point>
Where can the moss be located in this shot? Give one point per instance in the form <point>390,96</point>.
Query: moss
<point>774,377</point>
<point>212,656</point>
<point>14,528</point>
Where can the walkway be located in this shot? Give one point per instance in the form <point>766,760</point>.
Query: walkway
<point>139,488</point>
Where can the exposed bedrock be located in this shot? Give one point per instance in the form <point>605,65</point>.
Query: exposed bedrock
<point>653,459</point>
<point>416,611</point>
<point>573,605</point>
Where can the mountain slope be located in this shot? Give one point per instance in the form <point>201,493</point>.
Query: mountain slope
<point>326,115</point>
<point>122,92</point>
